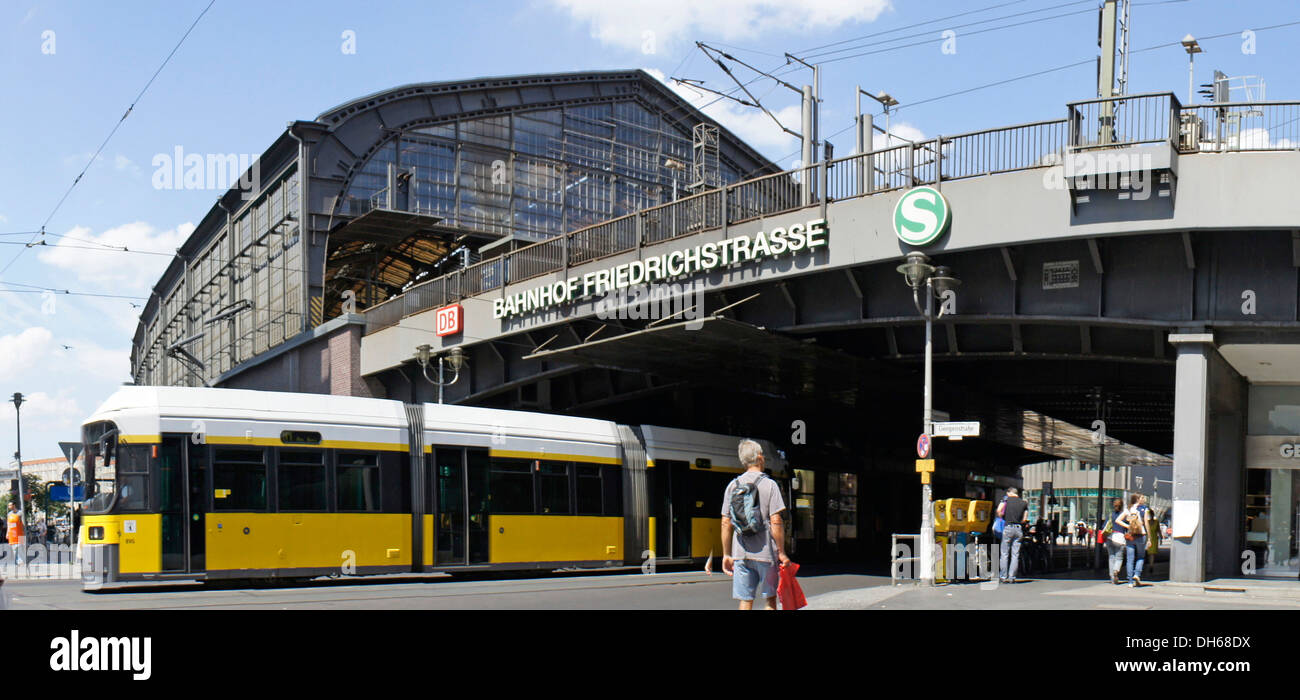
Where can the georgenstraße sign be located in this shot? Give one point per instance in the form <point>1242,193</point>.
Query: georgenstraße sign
<point>794,239</point>
<point>1273,451</point>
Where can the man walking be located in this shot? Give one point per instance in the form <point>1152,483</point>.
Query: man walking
<point>1015,511</point>
<point>753,534</point>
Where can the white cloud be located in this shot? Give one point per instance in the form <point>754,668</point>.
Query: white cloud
<point>669,22</point>
<point>20,353</point>
<point>124,164</point>
<point>84,255</point>
<point>1259,138</point>
<point>52,412</point>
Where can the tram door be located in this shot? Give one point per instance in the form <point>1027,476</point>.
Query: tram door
<point>460,502</point>
<point>673,505</point>
<point>182,475</point>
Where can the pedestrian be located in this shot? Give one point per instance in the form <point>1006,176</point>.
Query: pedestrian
<point>38,532</point>
<point>1114,534</point>
<point>1135,547</point>
<point>753,531</point>
<point>15,532</point>
<point>1153,537</point>
<point>1015,511</point>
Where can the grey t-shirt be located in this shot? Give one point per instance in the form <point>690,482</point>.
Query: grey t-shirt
<point>760,546</point>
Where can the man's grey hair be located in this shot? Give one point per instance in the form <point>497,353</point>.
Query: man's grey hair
<point>1013,491</point>
<point>749,451</point>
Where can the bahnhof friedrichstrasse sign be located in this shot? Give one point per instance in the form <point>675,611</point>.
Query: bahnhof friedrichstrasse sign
<point>793,239</point>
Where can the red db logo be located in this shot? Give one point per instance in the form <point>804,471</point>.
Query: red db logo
<point>449,320</point>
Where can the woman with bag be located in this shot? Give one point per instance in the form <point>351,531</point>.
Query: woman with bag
<point>1135,547</point>
<point>1114,538</point>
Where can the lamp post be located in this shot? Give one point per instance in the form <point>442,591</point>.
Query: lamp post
<point>938,281</point>
<point>454,357</point>
<point>18,455</point>
<point>1192,47</point>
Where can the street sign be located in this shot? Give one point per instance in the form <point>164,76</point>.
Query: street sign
<point>59,493</point>
<point>923,446</point>
<point>924,465</point>
<point>957,430</point>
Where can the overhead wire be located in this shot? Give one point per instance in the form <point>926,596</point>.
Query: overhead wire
<point>111,133</point>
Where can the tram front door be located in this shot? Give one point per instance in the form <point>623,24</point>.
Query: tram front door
<point>182,480</point>
<point>460,506</point>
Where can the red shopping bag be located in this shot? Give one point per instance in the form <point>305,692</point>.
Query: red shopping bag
<point>788,590</point>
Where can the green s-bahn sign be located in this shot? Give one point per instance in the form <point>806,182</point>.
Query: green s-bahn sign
<point>921,215</point>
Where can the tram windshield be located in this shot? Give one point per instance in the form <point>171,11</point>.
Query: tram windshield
<point>99,447</point>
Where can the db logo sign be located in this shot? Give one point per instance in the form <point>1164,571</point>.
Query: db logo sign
<point>449,320</point>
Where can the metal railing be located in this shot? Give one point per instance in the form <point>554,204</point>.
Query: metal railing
<point>1241,126</point>
<point>1004,150</point>
<point>895,560</point>
<point>1092,124</point>
<point>1130,120</point>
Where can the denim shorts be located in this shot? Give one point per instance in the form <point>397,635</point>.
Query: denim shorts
<point>754,577</point>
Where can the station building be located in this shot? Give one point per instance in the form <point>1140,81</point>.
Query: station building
<point>1129,291</point>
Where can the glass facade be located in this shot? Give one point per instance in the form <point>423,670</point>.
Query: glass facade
<point>1272,498</point>
<point>256,256</point>
<point>536,173</point>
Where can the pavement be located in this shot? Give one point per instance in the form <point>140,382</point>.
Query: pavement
<point>828,588</point>
<point>1068,592</point>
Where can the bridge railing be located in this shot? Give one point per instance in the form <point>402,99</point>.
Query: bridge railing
<point>1128,120</point>
<point>1241,126</point>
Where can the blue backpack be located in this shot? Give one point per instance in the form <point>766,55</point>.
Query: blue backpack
<point>745,513</point>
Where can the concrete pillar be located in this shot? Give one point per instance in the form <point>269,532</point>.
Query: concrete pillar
<point>1191,443</point>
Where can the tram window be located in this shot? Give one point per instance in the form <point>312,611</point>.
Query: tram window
<point>613,482</point>
<point>553,487</point>
<point>301,480</point>
<point>510,483</point>
<point>133,477</point>
<point>358,477</point>
<point>588,489</point>
<point>239,479</point>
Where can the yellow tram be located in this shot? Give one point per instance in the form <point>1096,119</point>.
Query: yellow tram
<point>227,483</point>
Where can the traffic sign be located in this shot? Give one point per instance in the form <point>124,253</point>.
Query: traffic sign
<point>71,476</point>
<point>957,430</point>
<point>925,465</point>
<point>923,446</point>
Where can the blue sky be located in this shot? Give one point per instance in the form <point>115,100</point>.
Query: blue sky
<point>70,69</point>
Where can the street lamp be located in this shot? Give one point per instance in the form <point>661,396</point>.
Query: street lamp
<point>1192,47</point>
<point>938,282</point>
<point>18,455</point>
<point>454,357</point>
